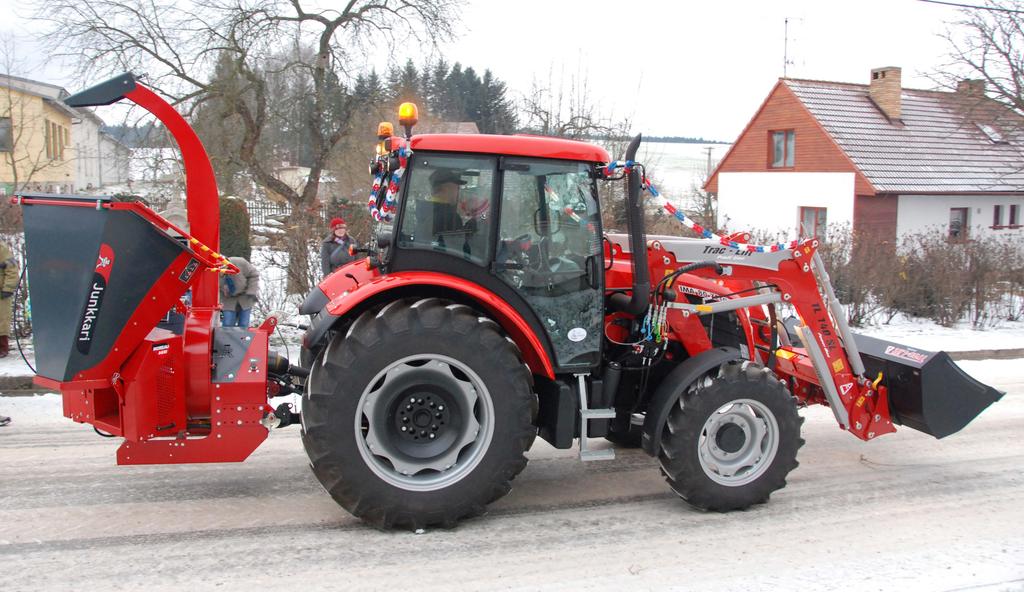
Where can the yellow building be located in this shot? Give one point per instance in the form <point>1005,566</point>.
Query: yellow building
<point>36,151</point>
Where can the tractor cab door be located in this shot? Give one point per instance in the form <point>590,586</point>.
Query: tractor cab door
<point>549,251</point>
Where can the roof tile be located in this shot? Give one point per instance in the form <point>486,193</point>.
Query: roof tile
<point>939,146</point>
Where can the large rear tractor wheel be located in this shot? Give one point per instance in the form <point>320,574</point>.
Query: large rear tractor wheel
<point>419,416</point>
<point>733,440</point>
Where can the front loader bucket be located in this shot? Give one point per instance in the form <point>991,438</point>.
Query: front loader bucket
<point>927,390</point>
<point>101,279</point>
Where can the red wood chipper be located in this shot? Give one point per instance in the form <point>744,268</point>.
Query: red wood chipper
<point>490,308</point>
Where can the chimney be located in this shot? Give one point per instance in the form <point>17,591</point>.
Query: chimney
<point>885,91</point>
<point>971,88</point>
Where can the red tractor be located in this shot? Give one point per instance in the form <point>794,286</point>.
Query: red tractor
<point>491,307</point>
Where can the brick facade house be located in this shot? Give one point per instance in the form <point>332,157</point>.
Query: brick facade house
<point>890,161</point>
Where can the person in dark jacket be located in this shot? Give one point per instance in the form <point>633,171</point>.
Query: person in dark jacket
<point>239,293</point>
<point>334,251</point>
<point>9,274</point>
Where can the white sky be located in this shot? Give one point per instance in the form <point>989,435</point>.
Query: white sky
<point>676,68</point>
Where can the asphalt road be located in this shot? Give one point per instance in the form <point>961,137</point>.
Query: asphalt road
<point>904,512</point>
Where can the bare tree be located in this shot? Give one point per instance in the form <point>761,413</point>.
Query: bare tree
<point>562,106</point>
<point>987,43</point>
<point>269,45</point>
<point>701,204</point>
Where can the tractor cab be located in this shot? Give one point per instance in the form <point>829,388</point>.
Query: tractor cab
<point>517,216</point>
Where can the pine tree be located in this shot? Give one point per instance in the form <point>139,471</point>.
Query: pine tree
<point>497,114</point>
<point>403,83</point>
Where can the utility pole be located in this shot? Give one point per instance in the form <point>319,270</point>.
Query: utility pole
<point>708,149</point>
<point>786,60</point>
<point>785,46</point>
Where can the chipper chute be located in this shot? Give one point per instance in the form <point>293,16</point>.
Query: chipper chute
<point>927,390</point>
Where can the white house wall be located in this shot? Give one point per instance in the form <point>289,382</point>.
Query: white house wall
<point>114,158</point>
<point>85,135</point>
<point>100,160</point>
<point>921,213</point>
<point>771,201</point>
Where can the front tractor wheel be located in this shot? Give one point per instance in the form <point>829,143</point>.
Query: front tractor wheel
<point>419,416</point>
<point>733,439</point>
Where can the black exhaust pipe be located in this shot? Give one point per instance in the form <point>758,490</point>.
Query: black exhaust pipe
<point>641,297</point>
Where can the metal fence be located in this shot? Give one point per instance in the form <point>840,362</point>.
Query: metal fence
<point>261,211</point>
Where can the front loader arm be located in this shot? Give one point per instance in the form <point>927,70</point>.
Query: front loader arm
<point>859,404</point>
<point>829,358</point>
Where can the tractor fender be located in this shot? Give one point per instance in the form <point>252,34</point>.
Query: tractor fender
<point>672,388</point>
<point>404,284</point>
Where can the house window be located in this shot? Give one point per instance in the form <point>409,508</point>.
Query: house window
<point>6,135</point>
<point>997,216</point>
<point>812,222</point>
<point>55,137</point>
<point>783,145</point>
<point>992,134</point>
<point>958,224</point>
<point>1014,220</point>
<point>58,141</point>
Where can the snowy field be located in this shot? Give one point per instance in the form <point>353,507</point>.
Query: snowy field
<point>677,168</point>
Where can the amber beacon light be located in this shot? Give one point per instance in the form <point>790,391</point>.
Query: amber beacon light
<point>408,115</point>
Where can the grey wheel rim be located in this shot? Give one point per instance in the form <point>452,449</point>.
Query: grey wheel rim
<point>738,442</point>
<point>424,422</point>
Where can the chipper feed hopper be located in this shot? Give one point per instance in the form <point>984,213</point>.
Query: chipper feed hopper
<point>490,308</point>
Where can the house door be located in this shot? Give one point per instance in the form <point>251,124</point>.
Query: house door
<point>812,222</point>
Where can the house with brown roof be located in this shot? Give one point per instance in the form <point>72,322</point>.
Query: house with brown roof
<point>36,153</point>
<point>889,160</point>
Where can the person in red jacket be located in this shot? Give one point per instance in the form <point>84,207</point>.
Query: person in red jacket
<point>334,251</point>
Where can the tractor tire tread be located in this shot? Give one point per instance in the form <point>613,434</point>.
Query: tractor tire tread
<point>335,470</point>
<point>678,456</point>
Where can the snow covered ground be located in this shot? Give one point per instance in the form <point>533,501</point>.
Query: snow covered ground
<point>926,335</point>
<point>677,168</point>
<point>904,513</point>
<point>919,333</point>
<point>13,365</point>
<point>45,409</point>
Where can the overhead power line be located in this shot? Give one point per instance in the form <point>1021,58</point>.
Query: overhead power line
<point>975,7</point>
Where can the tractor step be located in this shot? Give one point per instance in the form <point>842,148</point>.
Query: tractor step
<point>603,454</point>
<point>598,414</point>
<point>586,454</point>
